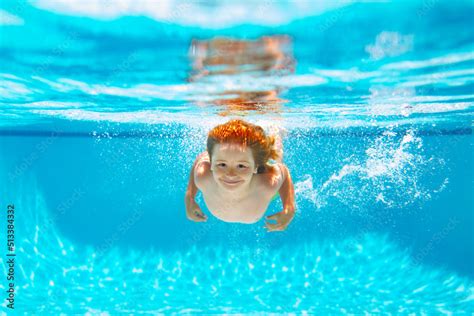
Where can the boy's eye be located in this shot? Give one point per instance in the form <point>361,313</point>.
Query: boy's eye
<point>221,164</point>
<point>242,166</point>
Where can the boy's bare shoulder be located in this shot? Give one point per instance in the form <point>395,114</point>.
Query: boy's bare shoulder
<point>273,179</point>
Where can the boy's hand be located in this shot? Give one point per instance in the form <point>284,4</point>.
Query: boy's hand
<point>194,213</point>
<point>282,219</point>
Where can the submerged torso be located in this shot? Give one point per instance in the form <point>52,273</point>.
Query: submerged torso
<point>247,209</point>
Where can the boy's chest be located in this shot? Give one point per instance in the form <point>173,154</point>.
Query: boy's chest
<point>249,210</point>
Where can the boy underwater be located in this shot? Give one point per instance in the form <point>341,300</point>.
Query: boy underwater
<point>236,178</point>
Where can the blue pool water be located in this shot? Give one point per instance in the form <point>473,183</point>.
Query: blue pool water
<point>105,105</point>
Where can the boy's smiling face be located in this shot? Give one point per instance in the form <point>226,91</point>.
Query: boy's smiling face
<point>232,166</point>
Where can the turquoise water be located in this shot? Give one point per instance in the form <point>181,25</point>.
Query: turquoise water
<point>103,109</point>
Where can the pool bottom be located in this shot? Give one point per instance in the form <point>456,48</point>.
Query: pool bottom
<point>367,273</point>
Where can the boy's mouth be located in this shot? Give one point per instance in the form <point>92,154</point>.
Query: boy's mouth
<point>233,182</point>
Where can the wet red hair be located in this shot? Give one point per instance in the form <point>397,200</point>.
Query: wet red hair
<point>246,134</point>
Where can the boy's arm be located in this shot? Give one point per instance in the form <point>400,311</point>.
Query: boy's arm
<point>193,211</point>
<point>287,191</point>
<point>287,195</point>
<point>191,191</point>
<point>192,188</point>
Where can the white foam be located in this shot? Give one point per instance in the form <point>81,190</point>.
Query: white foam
<point>347,75</point>
<point>401,100</point>
<point>14,90</point>
<point>7,18</point>
<point>194,13</point>
<point>389,173</point>
<point>390,44</point>
<point>55,104</point>
<point>449,78</point>
<point>198,91</point>
<point>162,117</point>
<point>435,61</point>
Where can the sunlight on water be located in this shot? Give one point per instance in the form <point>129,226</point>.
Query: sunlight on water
<point>400,98</point>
